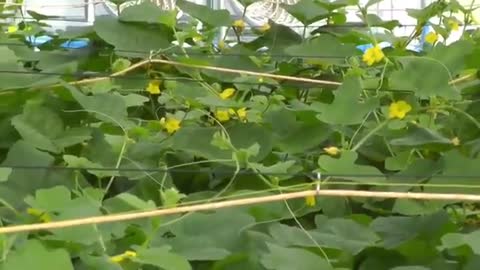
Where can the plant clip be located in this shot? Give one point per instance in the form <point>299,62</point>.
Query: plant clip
<point>319,180</point>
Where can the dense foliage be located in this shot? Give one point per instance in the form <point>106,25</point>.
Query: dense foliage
<point>158,135</point>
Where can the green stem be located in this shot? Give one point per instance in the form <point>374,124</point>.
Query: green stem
<point>370,134</point>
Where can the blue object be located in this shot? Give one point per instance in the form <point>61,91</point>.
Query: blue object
<point>417,48</point>
<point>71,44</point>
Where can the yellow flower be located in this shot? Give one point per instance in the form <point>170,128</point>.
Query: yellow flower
<point>310,201</point>
<point>122,257</point>
<point>221,44</point>
<point>222,115</point>
<point>239,25</point>
<point>399,109</point>
<point>41,215</point>
<point>153,87</point>
<point>170,124</point>
<point>455,141</point>
<point>242,113</point>
<point>332,151</point>
<point>227,93</point>
<point>373,55</point>
<point>453,24</point>
<point>264,28</point>
<point>12,29</point>
<point>431,38</point>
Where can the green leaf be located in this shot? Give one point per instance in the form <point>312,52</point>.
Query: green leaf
<point>454,240</point>
<point>346,109</point>
<point>81,162</point>
<point>39,126</point>
<point>345,166</point>
<point>131,39</point>
<point>5,174</point>
<point>398,230</point>
<point>280,258</point>
<point>414,267</point>
<point>206,15</point>
<point>453,56</point>
<point>163,258</point>
<point>148,12</point>
<point>22,182</point>
<point>421,137</point>
<point>121,64</point>
<point>425,77</point>
<point>33,255</point>
<point>371,3</point>
<point>171,197</point>
<point>307,11</point>
<point>325,49</point>
<point>106,107</point>
<point>241,135</point>
<point>52,199</point>
<point>459,167</point>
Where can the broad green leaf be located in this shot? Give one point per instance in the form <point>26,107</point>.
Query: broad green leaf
<point>454,240</point>
<point>345,234</point>
<point>345,167</point>
<point>81,207</point>
<point>72,136</point>
<point>132,39</point>
<point>242,136</point>
<point>324,49</point>
<point>22,182</point>
<point>414,207</point>
<point>39,126</point>
<point>425,77</point>
<point>5,174</point>
<point>217,233</point>
<point>307,11</point>
<point>134,100</point>
<point>458,170</point>
<point>162,257</point>
<point>106,107</point>
<point>81,162</point>
<point>121,64</point>
<point>279,169</point>
<point>345,108</point>
<point>277,39</point>
<point>414,267</point>
<point>280,258</point>
<point>398,230</point>
<point>295,136</point>
<point>33,255</point>
<point>421,137</point>
<point>207,15</point>
<point>125,202</point>
<point>171,197</point>
<point>52,199</point>
<point>453,56</point>
<point>148,12</point>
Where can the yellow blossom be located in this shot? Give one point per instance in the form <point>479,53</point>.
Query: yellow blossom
<point>42,216</point>
<point>227,93</point>
<point>431,38</point>
<point>332,150</point>
<point>310,201</point>
<point>239,25</point>
<point>153,87</point>
<point>242,113</point>
<point>373,55</point>
<point>170,124</point>
<point>399,109</point>
<point>455,141</point>
<point>221,44</point>
<point>122,257</point>
<point>12,29</point>
<point>222,115</point>
<point>453,24</point>
<point>264,28</point>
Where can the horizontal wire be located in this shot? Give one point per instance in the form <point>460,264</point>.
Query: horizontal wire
<point>241,172</point>
<point>129,77</point>
<point>164,211</point>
